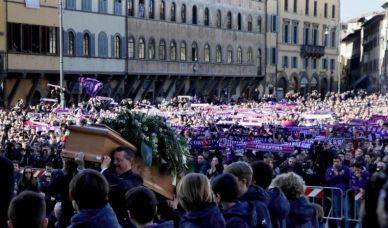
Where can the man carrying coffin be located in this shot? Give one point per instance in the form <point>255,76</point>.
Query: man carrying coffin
<point>121,179</point>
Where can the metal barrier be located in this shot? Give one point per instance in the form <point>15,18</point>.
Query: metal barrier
<point>353,205</point>
<point>333,207</point>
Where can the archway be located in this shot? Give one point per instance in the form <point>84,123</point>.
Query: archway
<point>293,84</point>
<point>304,84</point>
<point>314,83</point>
<point>281,88</point>
<point>324,87</point>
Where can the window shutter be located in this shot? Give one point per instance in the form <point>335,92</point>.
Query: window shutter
<point>78,44</point>
<point>276,56</point>
<point>65,42</point>
<point>277,23</point>
<point>268,56</point>
<point>112,46</point>
<point>92,45</point>
<point>123,47</point>
<point>268,23</point>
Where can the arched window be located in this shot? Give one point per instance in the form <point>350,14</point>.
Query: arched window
<point>207,53</point>
<point>229,55</point>
<point>183,51</point>
<point>173,11</point>
<point>162,10</point>
<point>86,45</point>
<point>141,49</point>
<point>141,11</point>
<point>259,23</point>
<point>239,22</point>
<point>102,44</point>
<point>219,18</point>
<point>207,19</point>
<point>130,8</point>
<point>194,52</point>
<point>151,49</point>
<point>173,51</point>
<point>219,54</point>
<point>183,13</point>
<point>249,23</point>
<point>131,48</point>
<point>71,45</point>
<point>194,15</point>
<point>229,20</point>
<point>250,56</point>
<point>151,9</point>
<point>162,50</point>
<point>117,46</point>
<point>239,55</point>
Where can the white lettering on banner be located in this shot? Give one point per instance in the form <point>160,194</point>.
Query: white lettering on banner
<point>34,4</point>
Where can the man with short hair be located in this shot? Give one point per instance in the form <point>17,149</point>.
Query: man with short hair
<point>121,178</point>
<point>89,192</point>
<point>142,208</point>
<point>251,193</point>
<point>28,209</point>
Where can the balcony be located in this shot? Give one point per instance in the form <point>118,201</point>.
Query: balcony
<point>313,51</point>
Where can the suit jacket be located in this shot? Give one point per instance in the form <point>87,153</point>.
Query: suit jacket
<point>6,189</point>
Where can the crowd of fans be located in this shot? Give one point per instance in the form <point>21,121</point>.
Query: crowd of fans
<point>228,188</point>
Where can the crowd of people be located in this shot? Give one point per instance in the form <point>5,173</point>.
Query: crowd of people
<point>230,185</point>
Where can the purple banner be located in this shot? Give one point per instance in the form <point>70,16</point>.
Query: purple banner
<point>92,86</point>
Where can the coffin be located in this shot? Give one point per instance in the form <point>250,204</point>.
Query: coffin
<point>99,140</point>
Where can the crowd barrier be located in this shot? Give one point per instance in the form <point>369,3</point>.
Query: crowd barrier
<point>339,207</point>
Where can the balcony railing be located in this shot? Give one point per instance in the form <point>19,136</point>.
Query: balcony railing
<point>313,51</point>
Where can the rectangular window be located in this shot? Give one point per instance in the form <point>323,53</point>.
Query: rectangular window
<point>325,10</point>
<point>315,36</point>
<point>333,39</point>
<point>315,8</point>
<point>86,5</point>
<point>70,4</point>
<point>324,64</point>
<point>285,5</point>
<point>286,38</point>
<point>306,63</point>
<point>285,61</point>
<point>294,62</point>
<point>295,6</point>
<point>117,7</point>
<point>130,8</point>
<point>306,35</point>
<point>295,35</point>
<point>314,64</point>
<point>307,7</point>
<point>53,40</point>
<point>333,11</point>
<point>102,6</point>
<point>332,65</point>
<point>273,56</point>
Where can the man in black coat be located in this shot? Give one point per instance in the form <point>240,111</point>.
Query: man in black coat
<point>6,189</point>
<point>121,179</point>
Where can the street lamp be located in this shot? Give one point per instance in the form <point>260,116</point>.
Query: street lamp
<point>61,81</point>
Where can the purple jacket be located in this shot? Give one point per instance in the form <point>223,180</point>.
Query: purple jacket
<point>357,183</point>
<point>341,180</point>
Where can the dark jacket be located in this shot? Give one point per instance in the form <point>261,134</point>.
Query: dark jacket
<point>166,224</point>
<point>119,185</point>
<point>59,187</point>
<point>302,214</point>
<point>241,215</point>
<point>278,207</point>
<point>260,199</point>
<point>210,216</point>
<point>6,189</point>
<point>95,218</point>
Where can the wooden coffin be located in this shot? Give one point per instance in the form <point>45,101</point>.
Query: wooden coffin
<point>98,141</point>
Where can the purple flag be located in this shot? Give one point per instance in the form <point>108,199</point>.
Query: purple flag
<point>91,85</point>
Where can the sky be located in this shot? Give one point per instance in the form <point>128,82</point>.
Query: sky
<point>355,8</point>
